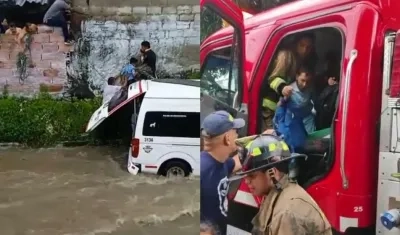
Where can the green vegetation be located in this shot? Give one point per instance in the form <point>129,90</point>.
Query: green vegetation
<point>43,120</point>
<point>194,75</point>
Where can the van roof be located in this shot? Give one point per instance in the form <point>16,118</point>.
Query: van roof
<point>186,82</point>
<point>174,89</point>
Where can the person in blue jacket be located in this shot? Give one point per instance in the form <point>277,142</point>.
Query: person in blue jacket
<point>291,129</point>
<point>294,119</point>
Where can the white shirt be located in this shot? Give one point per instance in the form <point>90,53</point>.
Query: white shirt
<point>109,91</point>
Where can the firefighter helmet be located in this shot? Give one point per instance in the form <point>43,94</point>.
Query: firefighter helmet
<point>264,152</point>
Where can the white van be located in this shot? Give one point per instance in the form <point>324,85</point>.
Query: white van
<point>166,138</point>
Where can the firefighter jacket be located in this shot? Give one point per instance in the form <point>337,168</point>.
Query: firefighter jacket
<point>290,212</point>
<point>272,91</point>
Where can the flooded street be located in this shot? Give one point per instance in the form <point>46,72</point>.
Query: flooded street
<point>85,191</point>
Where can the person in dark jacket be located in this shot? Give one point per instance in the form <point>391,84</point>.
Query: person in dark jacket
<point>148,56</point>
<point>3,24</point>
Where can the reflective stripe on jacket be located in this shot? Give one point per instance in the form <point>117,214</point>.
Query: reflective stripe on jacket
<point>273,92</point>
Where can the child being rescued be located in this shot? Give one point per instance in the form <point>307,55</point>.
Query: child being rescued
<point>295,114</point>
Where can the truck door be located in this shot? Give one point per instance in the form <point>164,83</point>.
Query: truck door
<point>388,203</point>
<point>223,83</point>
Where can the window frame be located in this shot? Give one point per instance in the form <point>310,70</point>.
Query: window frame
<point>277,37</point>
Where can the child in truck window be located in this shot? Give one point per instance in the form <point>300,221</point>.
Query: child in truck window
<point>277,85</point>
<point>294,117</point>
<point>302,98</point>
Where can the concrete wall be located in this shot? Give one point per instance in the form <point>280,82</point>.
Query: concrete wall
<point>115,34</point>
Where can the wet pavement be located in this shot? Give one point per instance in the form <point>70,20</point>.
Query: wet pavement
<point>86,191</point>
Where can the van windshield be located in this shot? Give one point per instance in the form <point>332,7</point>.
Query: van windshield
<point>219,77</point>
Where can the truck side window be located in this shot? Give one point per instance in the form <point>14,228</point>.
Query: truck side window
<point>318,56</point>
<point>219,77</point>
<point>172,124</point>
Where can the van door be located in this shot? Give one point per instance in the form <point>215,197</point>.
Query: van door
<point>223,81</point>
<point>135,90</point>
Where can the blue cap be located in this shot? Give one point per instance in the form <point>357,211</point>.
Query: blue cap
<point>220,122</point>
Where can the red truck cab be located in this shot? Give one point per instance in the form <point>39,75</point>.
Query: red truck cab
<point>236,60</point>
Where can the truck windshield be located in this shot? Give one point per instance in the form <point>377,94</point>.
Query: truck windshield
<point>219,77</point>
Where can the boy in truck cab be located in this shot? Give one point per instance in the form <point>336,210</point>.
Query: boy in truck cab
<point>287,209</point>
<point>300,105</point>
<point>301,53</point>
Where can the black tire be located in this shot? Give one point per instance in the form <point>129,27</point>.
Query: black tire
<point>182,168</point>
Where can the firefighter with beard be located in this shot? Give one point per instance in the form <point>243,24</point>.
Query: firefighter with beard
<point>287,209</point>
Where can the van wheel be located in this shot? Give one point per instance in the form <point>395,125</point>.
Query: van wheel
<point>176,169</point>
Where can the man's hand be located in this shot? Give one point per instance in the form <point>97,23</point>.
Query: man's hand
<point>332,81</point>
<point>4,23</point>
<point>287,91</point>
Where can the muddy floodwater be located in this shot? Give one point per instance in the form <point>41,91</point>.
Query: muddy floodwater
<point>86,191</point>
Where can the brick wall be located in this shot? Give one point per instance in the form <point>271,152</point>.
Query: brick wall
<point>115,34</point>
<point>47,66</point>
<point>113,30</point>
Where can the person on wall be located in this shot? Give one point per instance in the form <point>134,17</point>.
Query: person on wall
<point>148,57</point>
<point>12,29</point>
<point>56,17</point>
<point>3,24</point>
<point>129,70</point>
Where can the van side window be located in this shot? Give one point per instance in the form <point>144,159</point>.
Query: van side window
<point>172,124</point>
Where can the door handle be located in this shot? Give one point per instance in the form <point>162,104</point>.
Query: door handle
<point>346,94</point>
